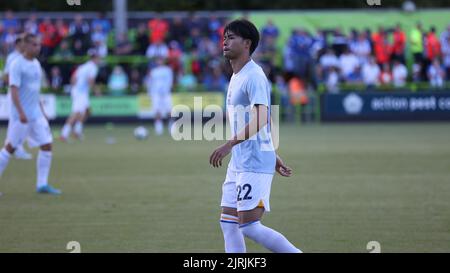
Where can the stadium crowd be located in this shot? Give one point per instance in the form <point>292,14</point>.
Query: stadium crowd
<point>192,48</point>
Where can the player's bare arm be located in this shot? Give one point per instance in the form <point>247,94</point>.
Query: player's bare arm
<point>259,120</point>
<point>16,101</point>
<point>280,166</point>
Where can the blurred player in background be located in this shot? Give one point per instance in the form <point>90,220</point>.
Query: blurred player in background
<point>27,114</point>
<point>246,190</point>
<point>159,82</point>
<point>83,80</point>
<point>20,152</point>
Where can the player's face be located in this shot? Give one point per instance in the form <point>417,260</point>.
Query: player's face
<point>233,45</point>
<point>33,46</point>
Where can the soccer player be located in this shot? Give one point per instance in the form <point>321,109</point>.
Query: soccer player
<point>82,80</point>
<point>159,85</point>
<point>27,114</point>
<point>246,190</point>
<point>20,152</point>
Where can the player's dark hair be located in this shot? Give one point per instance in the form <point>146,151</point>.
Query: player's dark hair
<point>28,37</point>
<point>245,29</point>
<point>18,39</point>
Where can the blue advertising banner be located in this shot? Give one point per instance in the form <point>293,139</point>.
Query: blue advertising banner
<point>397,106</point>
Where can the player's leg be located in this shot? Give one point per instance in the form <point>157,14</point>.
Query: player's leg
<point>79,124</point>
<point>157,106</point>
<point>253,200</point>
<point>20,152</point>
<point>41,134</point>
<point>67,128</point>
<point>15,135</point>
<point>229,221</point>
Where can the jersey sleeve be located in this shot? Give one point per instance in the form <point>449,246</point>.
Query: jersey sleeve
<point>258,90</point>
<point>14,74</point>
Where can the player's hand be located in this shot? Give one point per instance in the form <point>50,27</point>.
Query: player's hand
<point>282,168</point>
<point>23,118</point>
<point>219,153</point>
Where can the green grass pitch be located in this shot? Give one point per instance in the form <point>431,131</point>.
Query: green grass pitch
<point>352,184</point>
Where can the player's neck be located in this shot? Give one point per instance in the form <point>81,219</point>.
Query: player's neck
<point>238,63</point>
<point>28,56</point>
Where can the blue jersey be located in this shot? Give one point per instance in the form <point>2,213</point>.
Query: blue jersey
<point>247,88</point>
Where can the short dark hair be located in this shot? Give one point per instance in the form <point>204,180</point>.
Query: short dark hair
<point>245,29</point>
<point>29,36</point>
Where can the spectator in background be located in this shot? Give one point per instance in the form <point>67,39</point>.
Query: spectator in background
<point>270,30</point>
<point>49,36</point>
<point>56,79</point>
<point>327,62</point>
<point>340,42</point>
<point>123,45</point>
<point>10,21</point>
<point>79,29</point>
<point>399,74</point>
<point>385,75</point>
<point>174,59</point>
<point>101,48</point>
<point>98,35</point>
<point>361,48</point>
<point>446,56</point>
<point>215,80</point>
<point>332,80</point>
<point>103,22</point>
<point>62,30</point>
<point>178,30</point>
<point>157,49</point>
<point>214,26</point>
<point>78,48</point>
<point>63,51</point>
<point>118,82</point>
<point>416,48</point>
<point>399,44</point>
<point>432,46</point>
<point>371,74</point>
<point>135,81</point>
<point>436,74</point>
<point>445,35</point>
<point>142,39</point>
<point>9,40</point>
<point>158,28</point>
<point>349,66</point>
<point>31,25</point>
<point>382,49</point>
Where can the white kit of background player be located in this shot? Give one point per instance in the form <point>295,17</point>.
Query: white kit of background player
<point>20,152</point>
<point>27,114</point>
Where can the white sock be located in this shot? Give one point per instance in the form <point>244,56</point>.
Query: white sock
<point>159,127</point>
<point>78,128</point>
<point>234,239</point>
<point>65,132</point>
<point>20,148</point>
<point>4,159</point>
<point>43,163</point>
<point>267,237</point>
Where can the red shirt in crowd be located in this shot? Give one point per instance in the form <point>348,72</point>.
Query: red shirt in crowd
<point>432,46</point>
<point>398,47</point>
<point>381,48</point>
<point>158,30</point>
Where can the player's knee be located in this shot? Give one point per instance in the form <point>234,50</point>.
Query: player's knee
<point>10,148</point>
<point>46,147</point>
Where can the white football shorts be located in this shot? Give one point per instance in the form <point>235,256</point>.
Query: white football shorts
<point>246,190</point>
